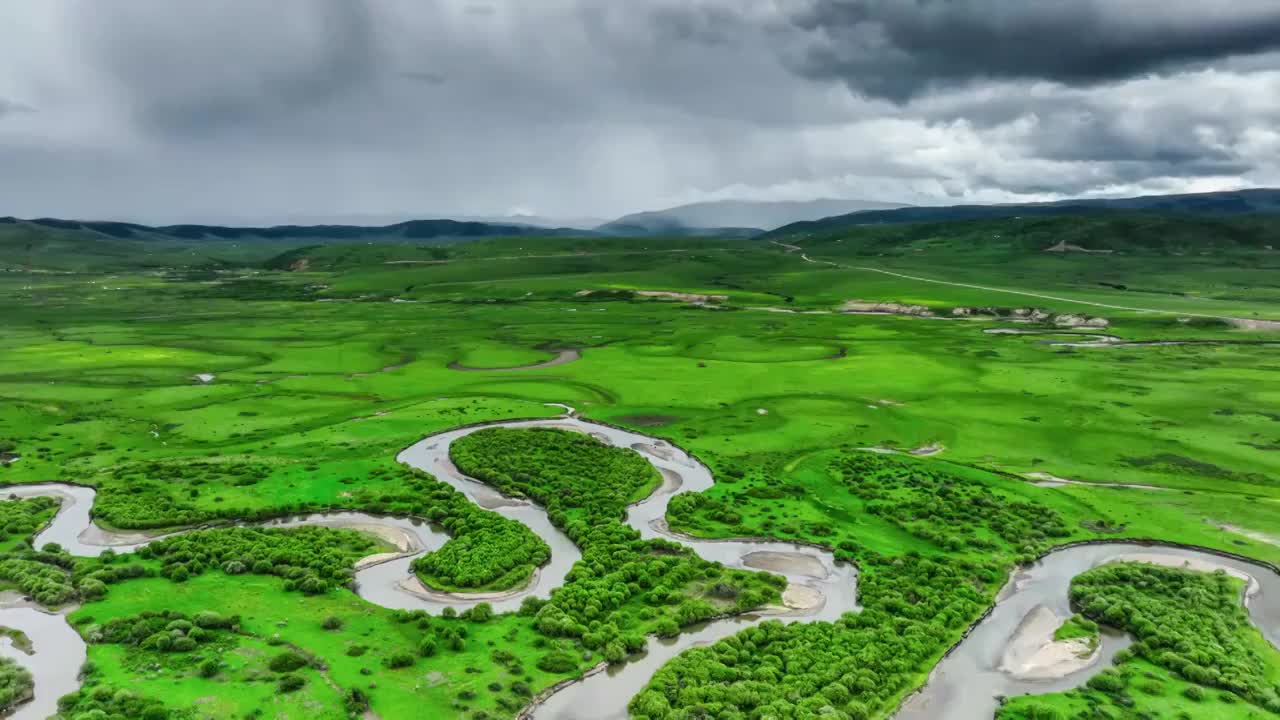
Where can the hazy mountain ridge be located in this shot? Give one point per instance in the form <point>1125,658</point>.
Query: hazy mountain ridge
<point>1100,234</point>
<point>766,215</point>
<point>412,229</point>
<point>1235,202</point>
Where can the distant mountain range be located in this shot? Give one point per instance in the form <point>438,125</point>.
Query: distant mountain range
<point>1236,202</point>
<point>79,245</point>
<point>411,230</point>
<point>83,245</point>
<point>737,214</point>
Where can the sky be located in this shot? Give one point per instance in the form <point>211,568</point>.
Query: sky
<point>247,112</point>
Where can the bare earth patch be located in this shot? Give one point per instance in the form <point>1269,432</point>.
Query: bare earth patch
<point>1044,479</point>
<point>786,563</point>
<point>1251,534</point>
<point>1033,654</point>
<point>1063,247</point>
<point>802,597</point>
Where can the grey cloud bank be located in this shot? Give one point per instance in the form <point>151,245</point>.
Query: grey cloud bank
<point>250,112</point>
<point>897,49</point>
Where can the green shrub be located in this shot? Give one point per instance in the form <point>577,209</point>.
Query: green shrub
<point>287,661</point>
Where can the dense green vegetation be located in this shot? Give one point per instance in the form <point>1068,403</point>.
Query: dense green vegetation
<point>1188,208</point>
<point>1194,643</point>
<point>585,486</point>
<point>311,559</point>
<point>20,519</point>
<point>1163,234</point>
<point>575,476</point>
<point>15,684</point>
<point>487,551</point>
<point>311,401</point>
<point>967,531</point>
<point>1078,627</point>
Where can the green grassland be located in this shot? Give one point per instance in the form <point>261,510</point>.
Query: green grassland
<point>320,378</point>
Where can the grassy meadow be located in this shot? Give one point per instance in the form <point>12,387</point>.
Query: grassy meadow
<point>193,394</point>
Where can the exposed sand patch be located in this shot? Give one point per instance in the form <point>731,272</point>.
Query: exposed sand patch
<point>786,563</point>
<point>1044,479</point>
<point>1256,325</point>
<point>1073,321</point>
<point>680,296</point>
<point>884,308</point>
<point>790,311</point>
<point>659,451</point>
<point>1033,654</point>
<point>1064,247</point>
<point>1251,534</point>
<point>98,535</point>
<point>415,587</point>
<point>402,540</point>
<point>1087,339</point>
<point>802,597</point>
<point>671,482</point>
<point>377,559</point>
<point>922,451</point>
<point>695,298</point>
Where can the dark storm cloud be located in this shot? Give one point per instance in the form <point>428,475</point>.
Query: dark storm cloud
<point>899,48</point>
<point>191,70</point>
<point>247,111</point>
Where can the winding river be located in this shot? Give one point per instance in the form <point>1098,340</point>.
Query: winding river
<point>965,685</point>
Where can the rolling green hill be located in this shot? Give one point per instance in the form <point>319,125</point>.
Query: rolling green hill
<point>1219,204</point>
<point>73,245</point>
<point>1110,232</point>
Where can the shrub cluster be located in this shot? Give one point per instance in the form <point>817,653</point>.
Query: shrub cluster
<point>585,487</point>
<point>104,701</point>
<point>16,684</point>
<point>48,584</point>
<point>1190,623</point>
<point>20,518</point>
<point>162,631</point>
<point>311,559</point>
<point>914,605</point>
